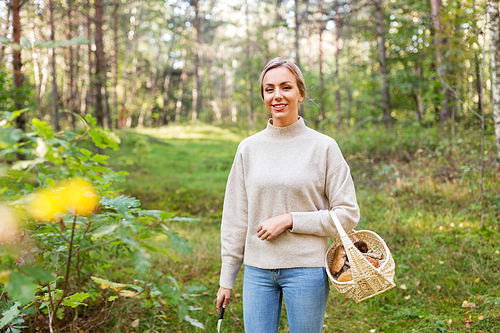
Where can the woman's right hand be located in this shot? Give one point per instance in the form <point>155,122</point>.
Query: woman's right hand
<point>223,297</point>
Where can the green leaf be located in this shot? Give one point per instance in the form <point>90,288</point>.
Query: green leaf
<point>42,129</point>
<point>20,288</point>
<point>194,322</point>
<point>105,230</point>
<point>75,300</point>
<point>25,43</point>
<point>105,284</point>
<point>141,261</point>
<point>37,273</point>
<point>121,203</point>
<point>9,315</point>
<point>180,243</point>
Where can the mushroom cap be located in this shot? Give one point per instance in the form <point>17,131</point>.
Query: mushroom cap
<point>346,276</point>
<point>361,246</point>
<point>372,261</point>
<point>339,258</point>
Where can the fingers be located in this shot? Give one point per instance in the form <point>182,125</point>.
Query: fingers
<point>223,298</point>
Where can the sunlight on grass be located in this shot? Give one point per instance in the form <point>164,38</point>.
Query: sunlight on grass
<point>202,131</point>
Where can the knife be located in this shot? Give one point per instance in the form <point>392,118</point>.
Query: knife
<point>221,315</point>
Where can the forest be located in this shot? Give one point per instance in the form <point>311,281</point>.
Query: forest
<point>119,122</point>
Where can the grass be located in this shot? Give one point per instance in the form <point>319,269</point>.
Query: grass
<point>414,189</point>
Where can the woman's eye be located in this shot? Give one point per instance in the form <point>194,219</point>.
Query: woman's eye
<point>287,88</point>
<point>269,90</point>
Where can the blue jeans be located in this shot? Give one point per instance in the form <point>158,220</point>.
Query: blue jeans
<point>305,291</point>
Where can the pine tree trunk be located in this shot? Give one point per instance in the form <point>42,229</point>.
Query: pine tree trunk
<point>99,72</point>
<point>114,61</point>
<point>89,97</point>
<point>384,73</point>
<point>495,64</point>
<point>440,44</point>
<point>321,25</point>
<point>55,97</point>
<point>16,62</point>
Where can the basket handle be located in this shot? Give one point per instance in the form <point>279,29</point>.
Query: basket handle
<point>343,235</point>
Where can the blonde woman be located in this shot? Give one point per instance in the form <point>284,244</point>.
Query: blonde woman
<point>282,185</point>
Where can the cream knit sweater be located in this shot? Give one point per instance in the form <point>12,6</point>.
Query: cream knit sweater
<point>279,170</point>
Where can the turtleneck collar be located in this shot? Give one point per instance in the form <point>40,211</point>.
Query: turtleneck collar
<point>289,131</point>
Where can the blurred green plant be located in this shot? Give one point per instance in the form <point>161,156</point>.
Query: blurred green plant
<point>55,267</point>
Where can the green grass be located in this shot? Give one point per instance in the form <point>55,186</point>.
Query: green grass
<point>422,199</point>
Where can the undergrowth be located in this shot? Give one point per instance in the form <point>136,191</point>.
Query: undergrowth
<point>416,187</point>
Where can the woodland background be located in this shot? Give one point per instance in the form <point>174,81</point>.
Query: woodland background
<point>148,100</point>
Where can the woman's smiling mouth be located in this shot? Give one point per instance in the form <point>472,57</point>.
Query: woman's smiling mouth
<point>279,107</point>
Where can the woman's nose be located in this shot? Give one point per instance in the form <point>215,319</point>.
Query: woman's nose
<point>277,94</point>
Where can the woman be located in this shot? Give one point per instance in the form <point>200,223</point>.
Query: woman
<point>282,185</point>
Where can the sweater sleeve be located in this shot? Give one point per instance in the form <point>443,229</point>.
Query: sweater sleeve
<point>339,189</point>
<point>234,224</point>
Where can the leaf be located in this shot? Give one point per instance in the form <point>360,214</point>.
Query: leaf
<point>184,219</point>
<point>20,288</point>
<point>75,300</point>
<point>23,165</point>
<point>104,230</point>
<point>121,203</point>
<point>194,322</point>
<point>105,284</point>
<point>25,43</point>
<point>37,273</point>
<point>141,261</point>
<point>128,293</point>
<point>9,315</point>
<point>135,323</point>
<point>180,243</point>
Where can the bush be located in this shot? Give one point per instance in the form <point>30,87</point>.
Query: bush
<point>62,266</point>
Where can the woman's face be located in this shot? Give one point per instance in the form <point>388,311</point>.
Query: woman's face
<point>282,96</point>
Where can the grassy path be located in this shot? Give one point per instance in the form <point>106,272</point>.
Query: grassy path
<point>447,268</point>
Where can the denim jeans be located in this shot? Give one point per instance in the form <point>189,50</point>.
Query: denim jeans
<point>305,291</point>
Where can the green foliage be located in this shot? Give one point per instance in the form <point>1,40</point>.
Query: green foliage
<point>416,187</point>
<point>54,267</point>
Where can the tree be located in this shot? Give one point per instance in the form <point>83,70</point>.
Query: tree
<point>55,95</point>
<point>495,64</point>
<point>100,72</point>
<point>441,44</point>
<point>17,63</point>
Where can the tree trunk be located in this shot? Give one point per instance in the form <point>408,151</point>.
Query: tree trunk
<point>55,97</point>
<point>114,60</point>
<point>89,98</point>
<point>182,82</point>
<point>7,24</point>
<point>297,21</point>
<point>17,65</point>
<point>384,73</point>
<point>125,82</point>
<point>321,25</point>
<point>100,65</point>
<point>70,68</point>
<point>495,64</point>
<point>197,66</point>
<point>248,61</point>
<point>440,44</point>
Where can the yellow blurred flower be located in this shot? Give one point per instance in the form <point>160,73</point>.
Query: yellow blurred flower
<point>8,224</point>
<point>75,196</point>
<point>79,196</point>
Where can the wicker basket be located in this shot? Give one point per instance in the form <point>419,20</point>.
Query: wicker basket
<point>367,281</point>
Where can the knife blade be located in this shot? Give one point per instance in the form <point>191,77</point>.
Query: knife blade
<point>221,316</point>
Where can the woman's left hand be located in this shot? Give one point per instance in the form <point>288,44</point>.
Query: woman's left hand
<point>274,226</point>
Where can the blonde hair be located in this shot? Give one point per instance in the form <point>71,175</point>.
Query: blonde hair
<point>280,62</point>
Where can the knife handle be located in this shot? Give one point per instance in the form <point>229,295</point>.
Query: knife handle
<point>221,313</point>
